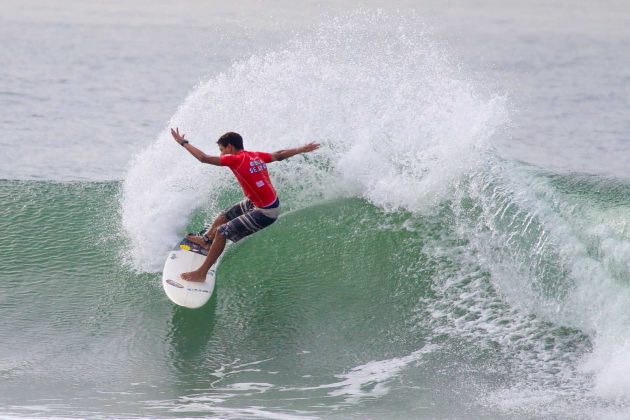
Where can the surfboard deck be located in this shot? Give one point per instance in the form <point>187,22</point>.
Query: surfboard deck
<point>187,256</point>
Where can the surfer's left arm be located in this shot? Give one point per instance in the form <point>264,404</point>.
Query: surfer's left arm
<point>287,153</point>
<point>198,154</point>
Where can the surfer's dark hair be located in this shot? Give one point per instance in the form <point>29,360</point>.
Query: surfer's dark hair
<point>234,139</point>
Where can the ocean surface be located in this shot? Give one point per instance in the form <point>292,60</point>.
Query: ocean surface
<point>459,247</point>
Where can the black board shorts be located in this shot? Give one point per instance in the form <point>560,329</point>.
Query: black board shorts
<point>244,219</point>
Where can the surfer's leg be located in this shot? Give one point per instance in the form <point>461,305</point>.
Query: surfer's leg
<point>217,247</point>
<point>243,220</point>
<point>210,233</point>
<point>225,216</point>
<point>218,221</point>
<point>247,223</point>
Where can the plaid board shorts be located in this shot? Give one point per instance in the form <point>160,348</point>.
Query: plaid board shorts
<point>244,219</point>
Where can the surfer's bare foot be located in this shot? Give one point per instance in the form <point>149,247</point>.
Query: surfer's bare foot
<point>199,241</point>
<point>194,276</point>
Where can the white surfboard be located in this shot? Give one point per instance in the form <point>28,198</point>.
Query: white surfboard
<point>190,294</point>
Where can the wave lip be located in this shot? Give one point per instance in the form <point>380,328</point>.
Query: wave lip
<point>555,247</point>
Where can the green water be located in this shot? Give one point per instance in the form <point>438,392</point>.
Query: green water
<point>337,310</point>
<point>86,330</point>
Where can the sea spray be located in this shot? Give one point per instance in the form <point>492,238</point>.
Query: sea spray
<point>398,121</point>
<point>553,246</point>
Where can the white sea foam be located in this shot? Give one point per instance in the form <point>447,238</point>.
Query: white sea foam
<point>559,254</point>
<point>398,122</point>
<point>369,380</point>
<point>352,384</point>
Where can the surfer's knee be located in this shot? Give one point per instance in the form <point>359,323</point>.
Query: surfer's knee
<point>223,231</point>
<point>221,219</point>
<point>218,221</point>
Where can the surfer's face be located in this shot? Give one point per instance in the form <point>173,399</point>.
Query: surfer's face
<point>227,150</point>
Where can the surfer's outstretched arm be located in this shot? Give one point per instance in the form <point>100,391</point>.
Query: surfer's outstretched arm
<point>198,154</point>
<point>287,153</point>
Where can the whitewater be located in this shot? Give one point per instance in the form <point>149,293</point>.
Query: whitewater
<point>417,270</point>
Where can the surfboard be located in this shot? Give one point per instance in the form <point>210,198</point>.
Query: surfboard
<point>187,256</point>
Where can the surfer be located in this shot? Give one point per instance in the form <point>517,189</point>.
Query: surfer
<point>259,209</point>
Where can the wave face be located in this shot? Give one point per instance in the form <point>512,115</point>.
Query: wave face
<point>414,274</point>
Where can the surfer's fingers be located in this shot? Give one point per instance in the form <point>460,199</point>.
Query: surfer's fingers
<point>175,133</point>
<point>312,146</point>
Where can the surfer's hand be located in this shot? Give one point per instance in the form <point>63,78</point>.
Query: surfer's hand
<point>179,138</point>
<point>309,147</point>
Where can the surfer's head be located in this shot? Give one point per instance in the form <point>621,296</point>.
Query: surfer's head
<point>230,143</point>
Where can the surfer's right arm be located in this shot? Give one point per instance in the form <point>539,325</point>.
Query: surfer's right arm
<point>198,154</point>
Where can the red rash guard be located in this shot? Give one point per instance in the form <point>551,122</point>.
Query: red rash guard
<point>251,172</point>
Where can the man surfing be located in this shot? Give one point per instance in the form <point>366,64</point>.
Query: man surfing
<point>259,209</point>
